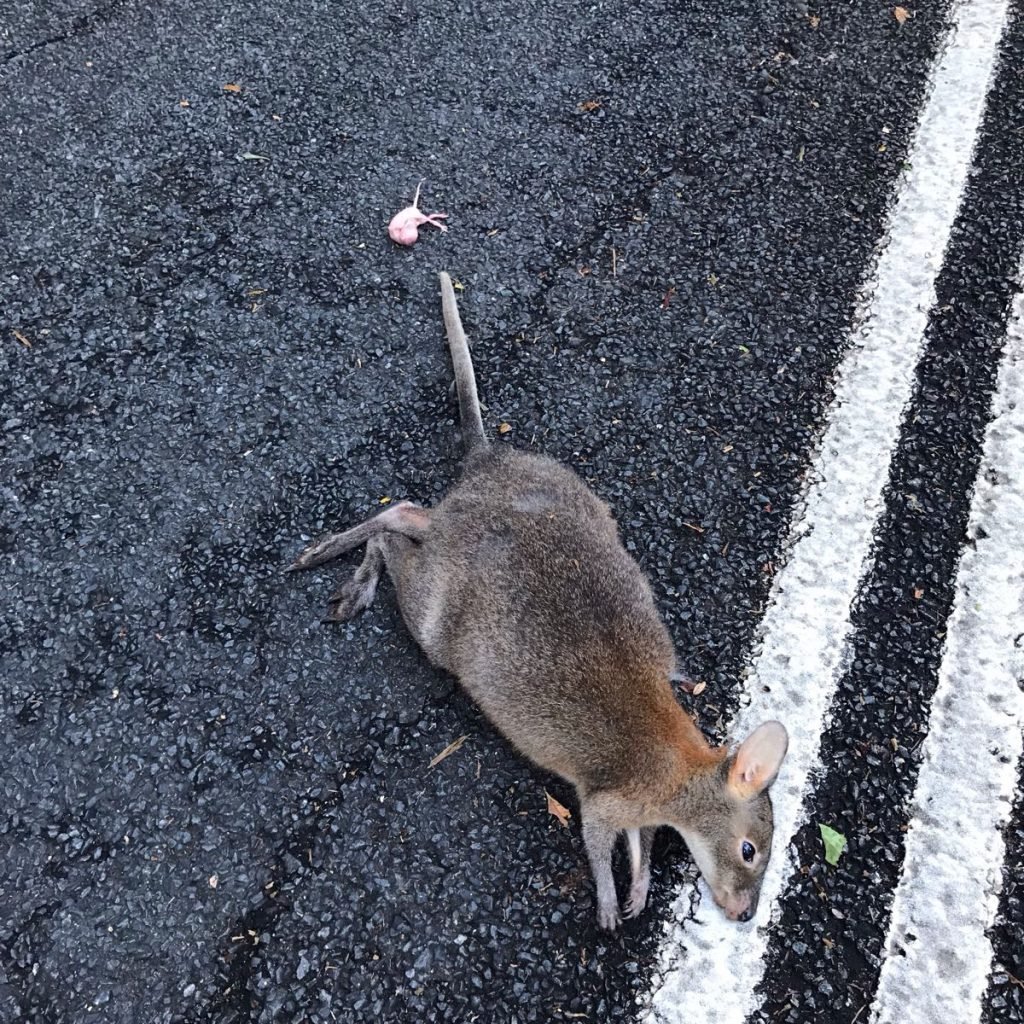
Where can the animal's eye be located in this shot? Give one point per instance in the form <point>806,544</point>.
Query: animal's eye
<point>748,851</point>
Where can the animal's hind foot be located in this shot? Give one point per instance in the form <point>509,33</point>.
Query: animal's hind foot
<point>405,518</point>
<point>357,594</point>
<point>352,598</point>
<point>326,549</point>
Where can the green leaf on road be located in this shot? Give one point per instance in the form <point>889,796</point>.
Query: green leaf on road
<point>835,843</point>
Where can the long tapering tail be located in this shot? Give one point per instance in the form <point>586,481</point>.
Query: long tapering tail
<point>465,380</point>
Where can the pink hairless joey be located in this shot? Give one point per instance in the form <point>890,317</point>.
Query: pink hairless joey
<point>405,225</point>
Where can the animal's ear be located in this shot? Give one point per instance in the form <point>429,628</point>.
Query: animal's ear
<point>757,762</point>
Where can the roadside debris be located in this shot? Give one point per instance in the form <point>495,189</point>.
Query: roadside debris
<point>563,814</point>
<point>450,749</point>
<point>834,843</point>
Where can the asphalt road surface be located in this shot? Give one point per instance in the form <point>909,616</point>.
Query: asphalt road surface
<point>752,269</point>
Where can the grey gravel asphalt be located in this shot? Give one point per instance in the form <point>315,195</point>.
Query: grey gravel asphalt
<point>214,808</point>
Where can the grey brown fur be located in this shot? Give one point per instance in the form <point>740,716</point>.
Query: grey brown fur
<point>517,583</point>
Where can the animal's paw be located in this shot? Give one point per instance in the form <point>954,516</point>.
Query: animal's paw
<point>311,555</point>
<point>323,550</point>
<point>354,596</point>
<point>637,900</point>
<point>608,918</point>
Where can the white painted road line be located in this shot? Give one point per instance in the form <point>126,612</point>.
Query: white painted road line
<point>937,954</point>
<point>710,967</point>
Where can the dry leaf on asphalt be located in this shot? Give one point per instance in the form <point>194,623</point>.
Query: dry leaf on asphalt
<point>563,814</point>
<point>450,749</point>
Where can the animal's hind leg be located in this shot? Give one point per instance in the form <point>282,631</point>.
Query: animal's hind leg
<point>405,518</point>
<point>414,587</point>
<point>357,593</point>
<point>402,556</point>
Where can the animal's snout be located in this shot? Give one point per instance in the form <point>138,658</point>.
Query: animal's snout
<point>737,907</point>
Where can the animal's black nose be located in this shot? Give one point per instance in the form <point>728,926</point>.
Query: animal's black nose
<point>746,915</point>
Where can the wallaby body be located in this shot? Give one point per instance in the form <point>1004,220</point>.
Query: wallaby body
<point>518,584</point>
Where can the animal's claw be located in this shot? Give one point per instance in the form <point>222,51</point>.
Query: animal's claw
<point>608,918</point>
<point>635,905</point>
<point>354,596</point>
